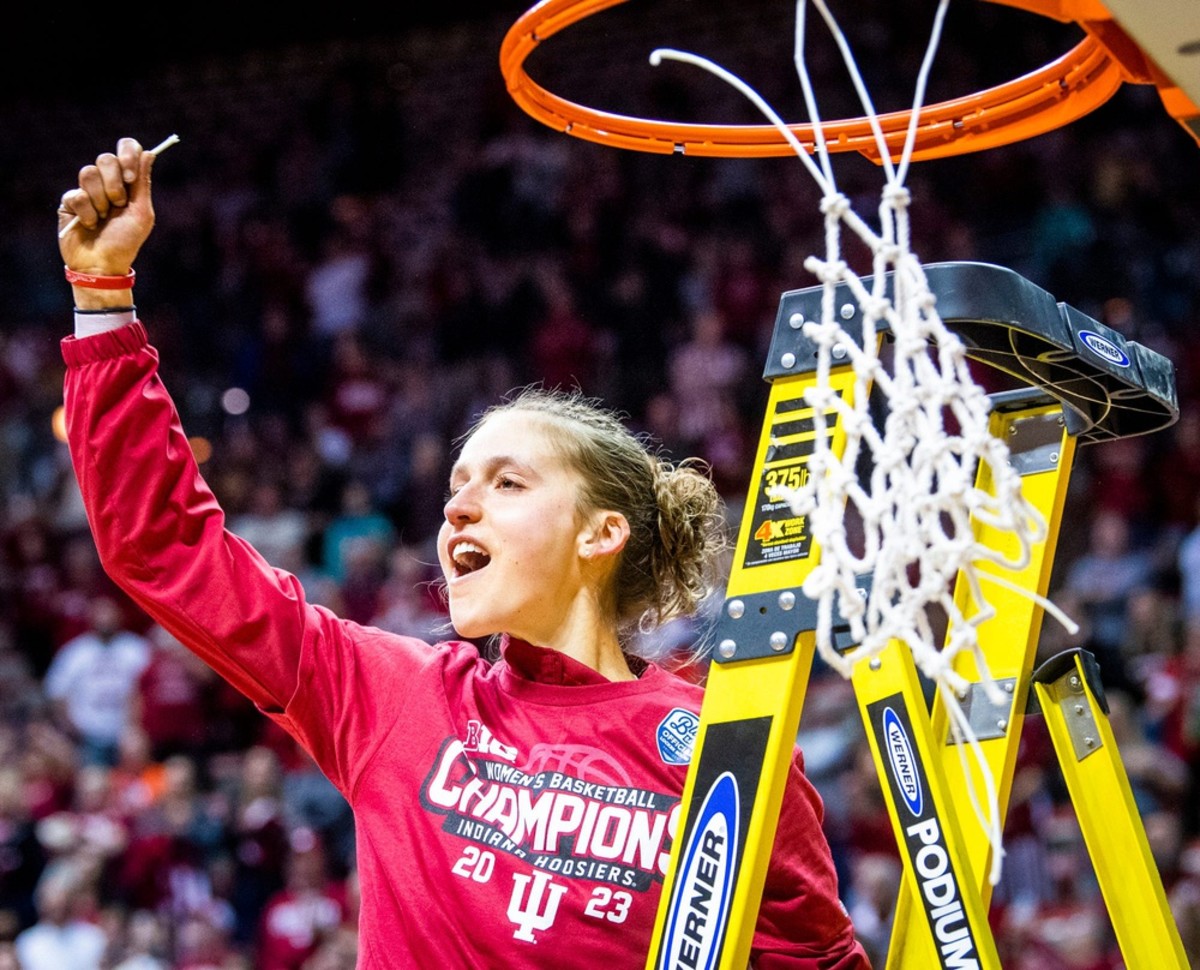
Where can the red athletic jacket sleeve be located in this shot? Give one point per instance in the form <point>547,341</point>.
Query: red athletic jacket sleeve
<point>800,894</point>
<point>161,535</point>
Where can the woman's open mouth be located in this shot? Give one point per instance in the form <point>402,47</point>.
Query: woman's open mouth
<point>468,558</point>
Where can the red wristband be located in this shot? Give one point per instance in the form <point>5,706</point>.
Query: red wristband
<point>93,282</point>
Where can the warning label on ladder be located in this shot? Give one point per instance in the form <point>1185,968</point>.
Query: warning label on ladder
<point>777,534</point>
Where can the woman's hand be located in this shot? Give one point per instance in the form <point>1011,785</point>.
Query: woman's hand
<point>115,215</point>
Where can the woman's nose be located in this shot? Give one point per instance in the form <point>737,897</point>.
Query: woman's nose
<point>462,506</point>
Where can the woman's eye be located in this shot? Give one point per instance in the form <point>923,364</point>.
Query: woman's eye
<point>508,483</point>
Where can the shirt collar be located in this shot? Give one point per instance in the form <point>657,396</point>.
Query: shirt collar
<point>546,666</point>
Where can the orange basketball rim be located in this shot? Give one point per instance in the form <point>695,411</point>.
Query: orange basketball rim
<point>1061,92</point>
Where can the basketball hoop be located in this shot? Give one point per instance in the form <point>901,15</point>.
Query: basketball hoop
<point>1061,92</point>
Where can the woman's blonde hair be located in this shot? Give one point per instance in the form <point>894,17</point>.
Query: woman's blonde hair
<point>676,523</point>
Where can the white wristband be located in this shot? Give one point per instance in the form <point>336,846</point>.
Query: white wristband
<point>88,323</point>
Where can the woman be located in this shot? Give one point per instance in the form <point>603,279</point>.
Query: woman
<point>512,814</point>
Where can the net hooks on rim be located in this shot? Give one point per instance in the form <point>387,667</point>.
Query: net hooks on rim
<point>1057,94</point>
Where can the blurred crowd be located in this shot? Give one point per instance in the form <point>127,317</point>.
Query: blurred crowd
<point>339,281</point>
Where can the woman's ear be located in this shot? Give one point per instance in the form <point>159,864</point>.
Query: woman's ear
<point>605,535</point>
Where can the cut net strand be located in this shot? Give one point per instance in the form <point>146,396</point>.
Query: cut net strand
<point>920,504</point>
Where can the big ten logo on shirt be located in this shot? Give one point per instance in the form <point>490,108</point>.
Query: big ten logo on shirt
<point>676,736</point>
<point>481,739</point>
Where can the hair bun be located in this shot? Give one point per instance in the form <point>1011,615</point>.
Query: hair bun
<point>690,532</point>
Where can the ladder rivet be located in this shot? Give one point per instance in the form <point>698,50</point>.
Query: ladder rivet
<point>779,641</point>
<point>788,360</point>
<point>787,600</point>
<point>1078,708</point>
<point>736,609</point>
<point>1074,681</point>
<point>796,321</point>
<point>875,663</point>
<point>1002,724</point>
<point>727,648</point>
<point>1054,456</point>
<point>1008,688</point>
<point>839,352</point>
<point>847,311</point>
<point>1090,742</point>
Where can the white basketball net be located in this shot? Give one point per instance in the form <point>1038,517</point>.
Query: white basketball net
<point>917,505</point>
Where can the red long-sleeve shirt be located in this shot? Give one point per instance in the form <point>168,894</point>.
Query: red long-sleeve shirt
<point>515,814</point>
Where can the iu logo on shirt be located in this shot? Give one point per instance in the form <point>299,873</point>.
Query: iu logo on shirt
<point>533,908</point>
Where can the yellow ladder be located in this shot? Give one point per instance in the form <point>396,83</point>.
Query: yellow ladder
<point>1093,385</point>
<point>930,928</point>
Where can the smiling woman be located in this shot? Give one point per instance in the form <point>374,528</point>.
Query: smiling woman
<point>516,813</point>
<point>519,553</point>
<point>594,534</point>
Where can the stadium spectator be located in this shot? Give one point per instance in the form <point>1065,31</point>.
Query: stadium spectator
<point>172,698</point>
<point>705,375</point>
<point>93,678</point>
<point>138,779</point>
<point>280,533</point>
<point>144,944</point>
<point>22,855</point>
<point>63,936</point>
<point>1189,571</point>
<point>309,909</point>
<point>1102,581</point>
<point>357,532</point>
<point>258,837</point>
